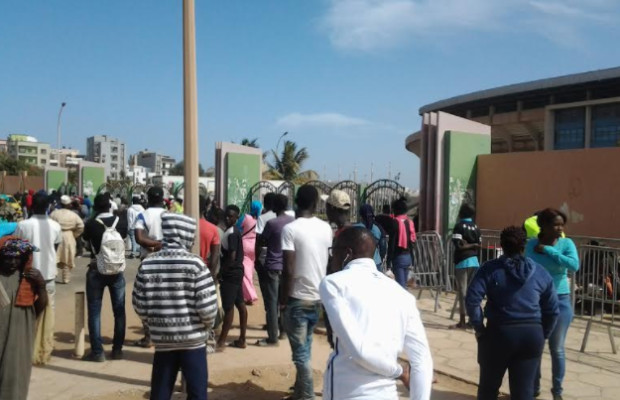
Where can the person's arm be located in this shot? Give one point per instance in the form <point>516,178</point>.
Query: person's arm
<point>79,226</point>
<point>568,257</point>
<point>122,227</point>
<point>38,285</point>
<point>418,352</point>
<point>137,296</point>
<point>549,305</point>
<point>288,258</point>
<point>476,291</point>
<point>363,350</point>
<point>214,259</point>
<point>206,298</point>
<point>143,240</point>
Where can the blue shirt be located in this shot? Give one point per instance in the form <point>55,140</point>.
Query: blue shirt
<point>376,233</point>
<point>557,260</point>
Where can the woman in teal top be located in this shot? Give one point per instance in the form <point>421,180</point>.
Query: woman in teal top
<point>557,255</point>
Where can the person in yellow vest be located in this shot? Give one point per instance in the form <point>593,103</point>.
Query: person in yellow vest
<point>531,226</point>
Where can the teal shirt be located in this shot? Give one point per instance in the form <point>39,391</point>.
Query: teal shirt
<point>557,260</point>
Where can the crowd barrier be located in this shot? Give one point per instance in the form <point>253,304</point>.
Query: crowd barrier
<point>428,271</point>
<point>596,286</point>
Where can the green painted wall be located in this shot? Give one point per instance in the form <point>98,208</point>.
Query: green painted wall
<point>461,151</point>
<point>242,172</point>
<point>54,179</point>
<point>92,178</point>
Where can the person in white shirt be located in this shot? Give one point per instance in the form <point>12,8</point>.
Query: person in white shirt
<point>149,235</point>
<point>360,303</point>
<point>46,234</point>
<point>132,216</point>
<point>305,244</point>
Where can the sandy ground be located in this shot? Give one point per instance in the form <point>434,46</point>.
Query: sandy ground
<point>251,373</point>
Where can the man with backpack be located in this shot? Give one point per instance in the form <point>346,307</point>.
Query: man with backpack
<point>105,233</point>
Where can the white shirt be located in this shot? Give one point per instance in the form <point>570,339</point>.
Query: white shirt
<point>262,221</point>
<point>132,215</point>
<point>113,206</point>
<point>45,233</point>
<point>373,320</point>
<point>310,239</point>
<point>150,222</point>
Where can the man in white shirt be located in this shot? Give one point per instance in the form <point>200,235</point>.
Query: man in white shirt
<point>360,303</point>
<point>149,235</point>
<point>132,216</point>
<point>305,244</point>
<point>46,234</point>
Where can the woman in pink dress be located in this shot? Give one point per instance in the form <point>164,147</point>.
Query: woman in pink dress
<point>248,237</point>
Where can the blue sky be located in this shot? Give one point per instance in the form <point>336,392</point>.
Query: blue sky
<point>345,77</point>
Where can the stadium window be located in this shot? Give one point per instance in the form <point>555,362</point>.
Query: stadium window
<point>605,125</point>
<point>570,127</point>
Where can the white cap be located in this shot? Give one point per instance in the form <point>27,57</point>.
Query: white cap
<point>65,200</point>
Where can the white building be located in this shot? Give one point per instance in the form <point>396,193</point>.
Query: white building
<point>28,149</point>
<point>157,163</point>
<point>108,151</point>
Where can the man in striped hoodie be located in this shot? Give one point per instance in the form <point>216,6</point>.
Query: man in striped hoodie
<point>174,294</point>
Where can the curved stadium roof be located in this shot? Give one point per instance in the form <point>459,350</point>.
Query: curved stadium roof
<point>537,87</point>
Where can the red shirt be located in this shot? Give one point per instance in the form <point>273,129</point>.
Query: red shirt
<point>208,237</point>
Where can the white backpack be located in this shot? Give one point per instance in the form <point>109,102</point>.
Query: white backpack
<point>111,256</point>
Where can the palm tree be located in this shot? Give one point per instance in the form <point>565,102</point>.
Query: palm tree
<point>250,142</point>
<point>288,164</point>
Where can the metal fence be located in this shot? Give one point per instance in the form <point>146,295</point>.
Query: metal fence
<point>428,271</point>
<point>596,289</point>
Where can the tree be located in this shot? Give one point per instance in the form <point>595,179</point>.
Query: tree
<point>287,165</point>
<point>179,169</point>
<point>14,166</point>
<point>250,142</point>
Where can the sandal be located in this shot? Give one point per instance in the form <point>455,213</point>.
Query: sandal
<point>238,344</point>
<point>143,343</point>
<point>458,326</point>
<point>265,343</point>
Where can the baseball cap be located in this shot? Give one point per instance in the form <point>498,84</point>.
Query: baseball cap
<point>65,200</point>
<point>155,193</point>
<point>338,198</point>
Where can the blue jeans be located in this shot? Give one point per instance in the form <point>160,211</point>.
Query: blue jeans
<point>400,266</point>
<point>300,318</point>
<point>270,287</point>
<point>95,286</point>
<point>135,247</point>
<point>556,346</point>
<point>193,366</point>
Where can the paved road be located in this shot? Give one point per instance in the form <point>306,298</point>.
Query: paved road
<point>230,372</point>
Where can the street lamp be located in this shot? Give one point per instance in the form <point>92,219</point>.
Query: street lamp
<point>278,144</point>
<point>62,107</point>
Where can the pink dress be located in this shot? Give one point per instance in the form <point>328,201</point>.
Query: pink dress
<point>248,232</point>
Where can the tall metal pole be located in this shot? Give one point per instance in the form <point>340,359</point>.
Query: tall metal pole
<point>190,116</point>
<point>62,107</point>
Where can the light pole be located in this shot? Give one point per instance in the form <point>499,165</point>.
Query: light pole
<point>278,144</point>
<point>62,107</point>
<point>190,116</point>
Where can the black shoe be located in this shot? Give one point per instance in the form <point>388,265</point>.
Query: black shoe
<point>537,393</point>
<point>557,397</point>
<point>117,354</point>
<point>94,357</point>
<point>130,257</point>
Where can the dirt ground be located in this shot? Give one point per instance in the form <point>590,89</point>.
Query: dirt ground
<point>253,373</point>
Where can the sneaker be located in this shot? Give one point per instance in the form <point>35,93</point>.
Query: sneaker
<point>94,357</point>
<point>117,354</point>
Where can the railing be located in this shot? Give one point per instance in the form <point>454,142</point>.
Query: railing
<point>596,289</point>
<point>429,262</point>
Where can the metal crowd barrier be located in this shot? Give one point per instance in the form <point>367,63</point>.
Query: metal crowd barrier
<point>428,271</point>
<point>596,288</point>
<point>490,249</point>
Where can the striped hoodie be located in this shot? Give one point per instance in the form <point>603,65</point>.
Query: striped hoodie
<point>174,292</point>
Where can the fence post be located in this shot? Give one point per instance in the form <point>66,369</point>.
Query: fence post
<point>79,324</point>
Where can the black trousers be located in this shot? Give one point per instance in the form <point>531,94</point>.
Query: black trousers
<point>513,347</point>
